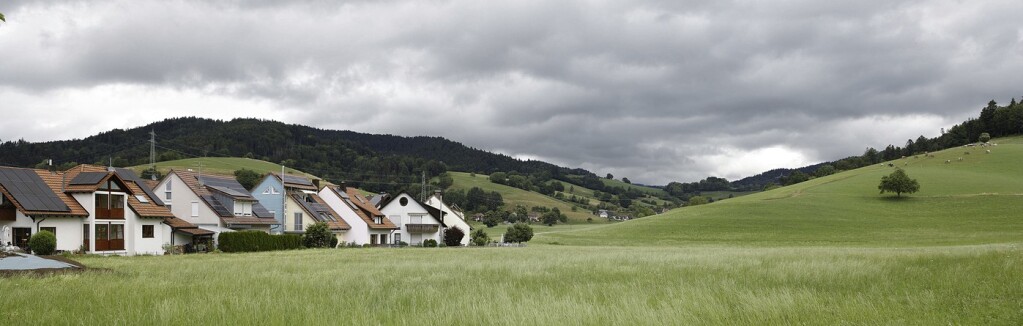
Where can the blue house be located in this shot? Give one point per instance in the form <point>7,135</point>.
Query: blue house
<point>273,191</point>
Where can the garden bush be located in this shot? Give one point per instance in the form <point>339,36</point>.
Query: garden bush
<point>43,243</point>
<point>453,236</point>
<point>429,243</point>
<point>251,241</point>
<point>480,238</point>
<point>318,236</point>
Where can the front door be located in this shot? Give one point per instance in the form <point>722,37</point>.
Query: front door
<point>109,237</point>
<point>21,236</point>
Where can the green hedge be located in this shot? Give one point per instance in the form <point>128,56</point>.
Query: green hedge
<point>250,241</point>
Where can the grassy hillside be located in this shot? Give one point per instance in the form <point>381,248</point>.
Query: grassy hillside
<point>974,201</point>
<point>514,196</point>
<point>220,165</point>
<point>830,251</point>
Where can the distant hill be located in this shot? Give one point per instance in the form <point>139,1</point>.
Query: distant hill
<point>969,202</point>
<point>373,162</point>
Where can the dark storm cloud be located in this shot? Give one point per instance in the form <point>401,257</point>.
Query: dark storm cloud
<point>656,91</point>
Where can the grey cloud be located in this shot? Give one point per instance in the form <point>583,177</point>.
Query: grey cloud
<point>639,89</point>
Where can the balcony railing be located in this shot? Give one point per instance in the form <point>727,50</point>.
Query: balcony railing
<point>422,228</point>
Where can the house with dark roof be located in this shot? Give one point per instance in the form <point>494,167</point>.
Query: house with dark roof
<point>89,208</point>
<point>453,216</point>
<point>299,204</point>
<point>213,203</point>
<point>417,220</point>
<point>368,224</point>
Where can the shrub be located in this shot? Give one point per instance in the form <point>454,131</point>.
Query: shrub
<point>333,242</point>
<point>251,241</point>
<point>43,243</point>
<point>317,236</point>
<point>480,238</point>
<point>518,233</point>
<point>429,243</point>
<point>453,236</point>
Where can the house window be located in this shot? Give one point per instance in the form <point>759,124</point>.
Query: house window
<point>378,220</point>
<point>167,194</point>
<point>109,206</point>
<point>271,191</point>
<point>109,237</point>
<point>298,221</point>
<point>168,188</point>
<point>195,209</point>
<point>397,238</point>
<point>168,207</point>
<point>147,232</point>
<point>49,228</point>
<point>403,201</point>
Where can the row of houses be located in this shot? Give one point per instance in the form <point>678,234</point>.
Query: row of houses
<point>104,210</point>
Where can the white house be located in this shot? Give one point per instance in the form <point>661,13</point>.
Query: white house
<point>368,224</point>
<point>85,208</point>
<point>453,217</point>
<point>214,203</point>
<point>418,221</point>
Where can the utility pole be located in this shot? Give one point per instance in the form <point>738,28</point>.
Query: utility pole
<point>152,153</point>
<point>422,193</point>
<point>284,201</point>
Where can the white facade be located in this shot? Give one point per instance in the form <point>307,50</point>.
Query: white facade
<point>71,231</point>
<point>186,205</point>
<point>360,232</point>
<point>404,210</point>
<point>452,218</point>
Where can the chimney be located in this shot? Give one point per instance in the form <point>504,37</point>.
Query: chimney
<point>343,186</point>
<point>316,183</point>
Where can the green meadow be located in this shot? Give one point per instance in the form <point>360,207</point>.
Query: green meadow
<point>827,251</point>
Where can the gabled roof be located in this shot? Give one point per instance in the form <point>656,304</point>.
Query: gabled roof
<point>152,207</point>
<point>295,181</point>
<point>433,211</point>
<point>37,192</point>
<point>204,187</point>
<point>320,211</point>
<point>363,208</point>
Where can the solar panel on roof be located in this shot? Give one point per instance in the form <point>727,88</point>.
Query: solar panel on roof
<point>230,192</point>
<point>225,183</point>
<point>297,180</point>
<point>217,206</point>
<point>29,190</point>
<point>128,174</point>
<point>260,211</point>
<point>88,178</point>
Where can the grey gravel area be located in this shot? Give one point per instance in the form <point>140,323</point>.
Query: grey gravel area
<point>22,262</point>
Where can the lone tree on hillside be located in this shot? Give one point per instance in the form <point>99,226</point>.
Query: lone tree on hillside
<point>984,137</point>
<point>898,182</point>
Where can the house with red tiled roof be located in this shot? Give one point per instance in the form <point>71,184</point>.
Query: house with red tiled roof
<point>214,203</point>
<point>299,204</point>
<point>89,208</point>
<point>368,224</point>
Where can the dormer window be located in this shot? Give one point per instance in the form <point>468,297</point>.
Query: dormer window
<point>378,220</point>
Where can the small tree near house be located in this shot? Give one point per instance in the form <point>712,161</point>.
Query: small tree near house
<point>453,237</point>
<point>898,182</point>
<point>317,236</point>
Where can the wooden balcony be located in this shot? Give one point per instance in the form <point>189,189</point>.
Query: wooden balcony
<point>422,228</point>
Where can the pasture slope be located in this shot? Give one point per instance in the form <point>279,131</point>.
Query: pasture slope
<point>824,252</point>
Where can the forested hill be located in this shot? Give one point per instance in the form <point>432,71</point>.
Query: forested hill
<point>382,162</point>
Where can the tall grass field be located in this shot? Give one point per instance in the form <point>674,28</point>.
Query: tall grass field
<point>830,251</point>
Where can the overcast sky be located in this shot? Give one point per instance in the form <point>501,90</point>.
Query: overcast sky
<point>656,91</point>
